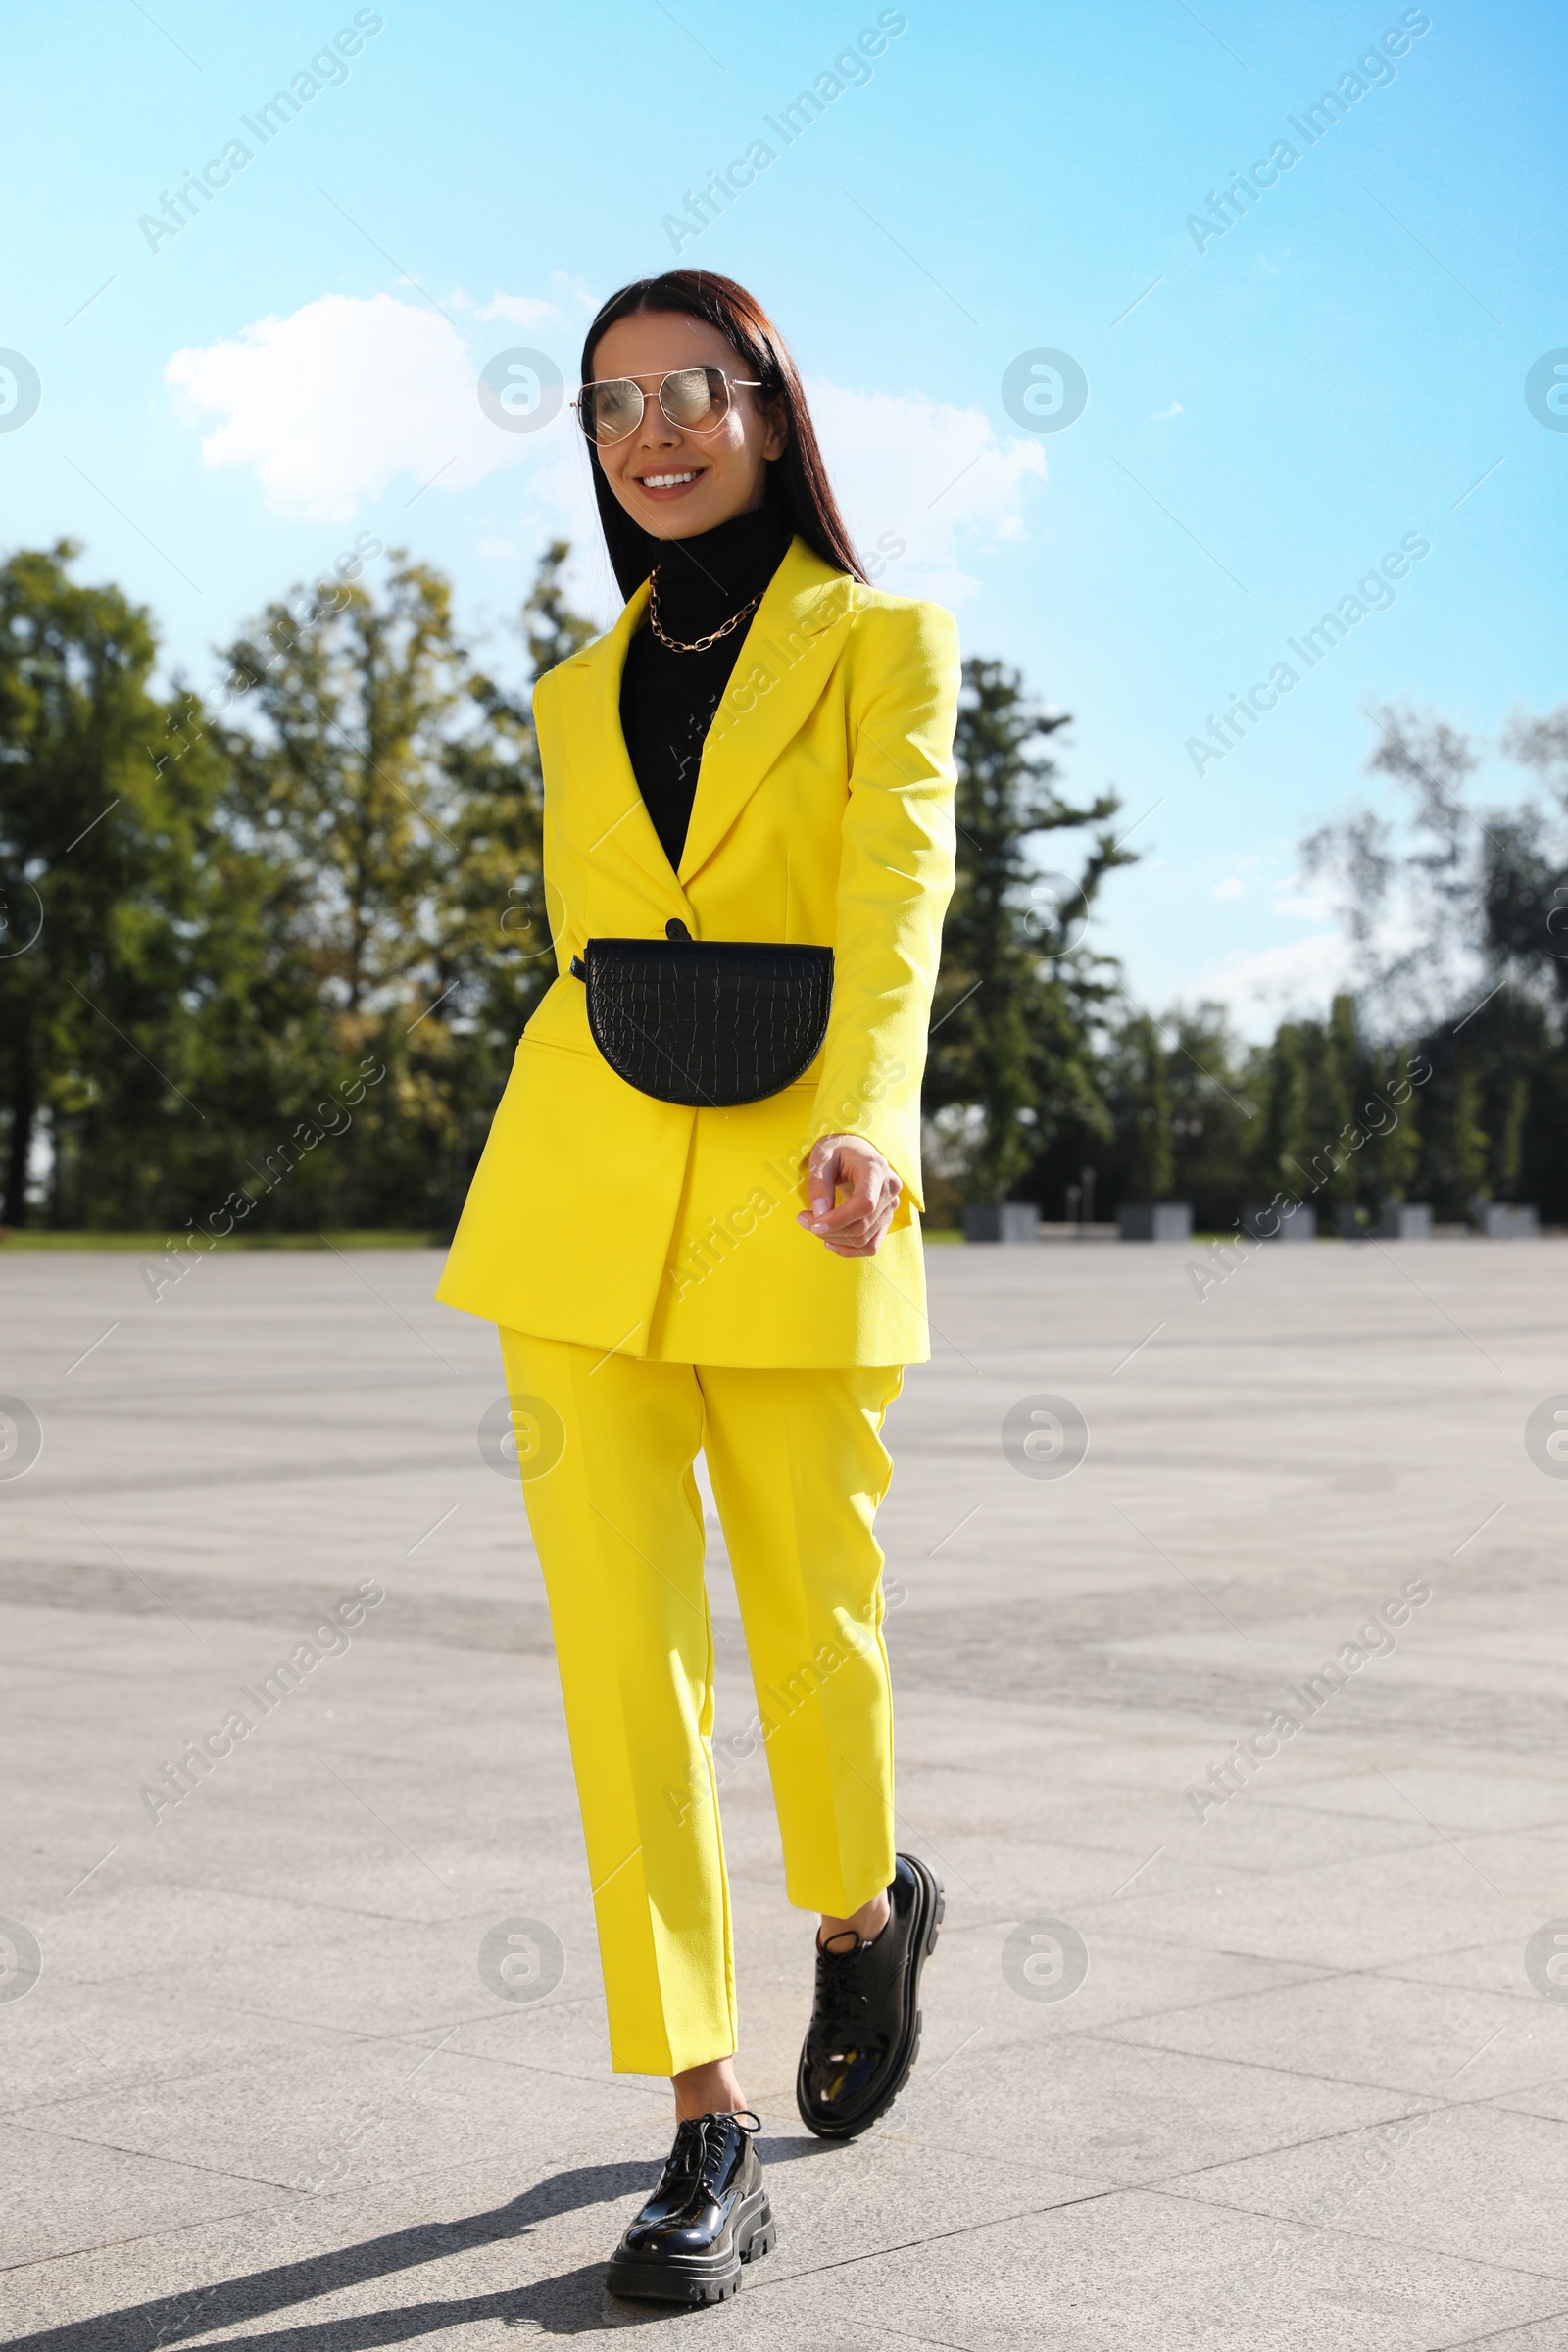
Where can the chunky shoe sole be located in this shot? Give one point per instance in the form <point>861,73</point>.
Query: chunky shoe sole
<point>698,2278</point>
<point>922,1944</point>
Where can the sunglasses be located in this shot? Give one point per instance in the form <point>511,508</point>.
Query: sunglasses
<point>695,400</point>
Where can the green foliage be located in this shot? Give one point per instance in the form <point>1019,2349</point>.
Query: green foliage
<point>1214,1119</point>
<point>1477,900</point>
<point>279,984</point>
<point>1144,1102</point>
<point>1285,1138</point>
<point>1453,1163</point>
<point>553,630</point>
<point>103,843</point>
<point>1010,1047</point>
<point>337,775</point>
<point>1393,1149</point>
<point>1339,1071</point>
<point>1341,1124</point>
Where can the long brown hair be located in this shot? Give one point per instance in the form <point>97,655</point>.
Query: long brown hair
<point>797,481</point>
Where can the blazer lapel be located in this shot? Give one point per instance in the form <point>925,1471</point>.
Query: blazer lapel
<point>611,817</point>
<point>796,634</point>
<point>786,658</point>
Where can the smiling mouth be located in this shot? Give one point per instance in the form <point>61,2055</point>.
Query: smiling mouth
<point>672,480</point>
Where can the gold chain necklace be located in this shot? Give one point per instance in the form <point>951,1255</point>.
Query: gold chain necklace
<point>695,644</point>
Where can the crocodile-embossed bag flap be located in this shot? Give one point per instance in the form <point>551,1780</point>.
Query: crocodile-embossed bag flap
<point>707,1022</point>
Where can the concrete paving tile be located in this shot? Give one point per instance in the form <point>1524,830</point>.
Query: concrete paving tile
<point>966,1985</point>
<point>1453,1679</point>
<point>1133,2268</point>
<point>835,2203</point>
<point>1015,1871</point>
<point>358,2113</point>
<point>1428,2039</point>
<point>65,2195</point>
<point>1055,1755</point>
<point>560,2036</point>
<point>1241,1834</point>
<point>1488,2177</point>
<point>362,1855</point>
<point>1497,1968</point>
<point>368,1976</point>
<point>1529,1866</point>
<point>1458,1801</point>
<point>1542,2099</point>
<point>1531,1644</point>
<point>1535,2336</point>
<point>1364,1913</point>
<point>1105,2104</point>
<point>292,2253</point>
<point>68,2042</point>
<point>112,1932</point>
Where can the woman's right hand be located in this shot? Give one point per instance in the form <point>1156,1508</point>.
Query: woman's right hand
<point>853,1227</point>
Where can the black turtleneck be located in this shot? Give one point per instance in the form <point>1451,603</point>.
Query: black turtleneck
<point>667,701</point>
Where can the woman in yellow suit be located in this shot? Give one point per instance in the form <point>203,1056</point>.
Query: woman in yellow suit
<point>759,750</point>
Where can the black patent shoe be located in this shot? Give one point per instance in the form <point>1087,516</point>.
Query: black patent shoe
<point>865,2031</point>
<point>709,2214</point>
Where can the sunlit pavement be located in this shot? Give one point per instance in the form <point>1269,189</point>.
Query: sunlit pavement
<point>1263,2047</point>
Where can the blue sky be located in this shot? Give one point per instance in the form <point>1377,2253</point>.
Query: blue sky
<point>1274,403</point>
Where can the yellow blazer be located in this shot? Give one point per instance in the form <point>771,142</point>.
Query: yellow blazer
<point>824,814</point>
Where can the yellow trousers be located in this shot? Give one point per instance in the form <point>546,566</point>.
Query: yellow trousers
<point>606,1445</point>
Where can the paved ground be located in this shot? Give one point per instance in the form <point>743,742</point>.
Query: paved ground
<point>1308,2095</point>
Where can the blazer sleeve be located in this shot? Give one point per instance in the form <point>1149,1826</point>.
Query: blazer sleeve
<point>895,876</point>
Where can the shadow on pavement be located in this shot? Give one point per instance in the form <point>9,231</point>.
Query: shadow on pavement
<point>563,2306</point>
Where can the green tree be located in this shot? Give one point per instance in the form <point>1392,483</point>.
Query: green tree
<point>1477,899</point>
<point>1454,1142</point>
<point>394,788</point>
<point>1214,1119</point>
<point>1525,858</point>
<point>1012,1067</point>
<point>1283,1077</point>
<point>1144,1103</point>
<point>339,772</point>
<point>1333,1095</point>
<point>1393,1108</point>
<point>341,777</point>
<point>1507,1154</point>
<point>554,632</point>
<point>104,899</point>
<point>495,953</point>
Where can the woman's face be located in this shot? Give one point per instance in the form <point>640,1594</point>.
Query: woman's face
<point>676,483</point>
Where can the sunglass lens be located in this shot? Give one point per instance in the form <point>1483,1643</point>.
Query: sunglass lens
<point>611,410</point>
<point>694,396</point>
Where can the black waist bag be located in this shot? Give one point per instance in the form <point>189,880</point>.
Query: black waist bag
<point>707,1022</point>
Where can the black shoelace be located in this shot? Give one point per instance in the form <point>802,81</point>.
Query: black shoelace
<point>698,2154</point>
<point>841,1997</point>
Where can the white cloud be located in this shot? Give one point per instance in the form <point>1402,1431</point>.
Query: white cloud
<point>1267,985</point>
<point>331,405</point>
<point>1233,886</point>
<point>920,470</point>
<point>1162,416</point>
